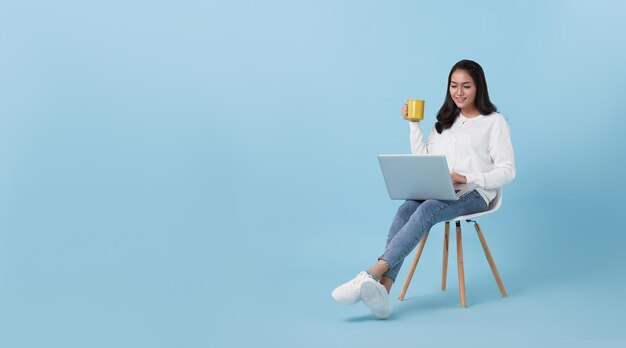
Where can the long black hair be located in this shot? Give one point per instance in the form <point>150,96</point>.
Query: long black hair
<point>449,111</point>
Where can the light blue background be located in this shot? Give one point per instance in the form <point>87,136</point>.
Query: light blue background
<point>203,174</point>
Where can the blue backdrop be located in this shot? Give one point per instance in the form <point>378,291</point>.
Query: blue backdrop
<point>203,174</point>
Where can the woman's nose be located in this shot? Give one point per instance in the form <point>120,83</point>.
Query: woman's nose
<point>459,91</point>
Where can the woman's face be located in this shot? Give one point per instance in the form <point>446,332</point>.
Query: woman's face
<point>463,89</point>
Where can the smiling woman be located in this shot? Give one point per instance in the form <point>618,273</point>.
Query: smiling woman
<point>476,142</point>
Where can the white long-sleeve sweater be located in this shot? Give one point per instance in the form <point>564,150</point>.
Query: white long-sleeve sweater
<point>478,147</point>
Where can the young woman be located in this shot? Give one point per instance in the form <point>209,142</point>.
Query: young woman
<point>477,144</point>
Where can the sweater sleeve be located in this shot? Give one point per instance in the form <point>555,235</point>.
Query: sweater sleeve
<point>418,146</point>
<point>501,153</point>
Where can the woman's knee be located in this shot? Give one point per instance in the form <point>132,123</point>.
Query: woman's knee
<point>408,208</point>
<point>431,206</point>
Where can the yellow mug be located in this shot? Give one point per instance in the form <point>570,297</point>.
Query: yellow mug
<point>416,110</point>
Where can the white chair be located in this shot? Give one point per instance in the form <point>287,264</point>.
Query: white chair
<point>493,206</point>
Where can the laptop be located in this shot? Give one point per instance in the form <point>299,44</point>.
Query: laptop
<point>420,177</point>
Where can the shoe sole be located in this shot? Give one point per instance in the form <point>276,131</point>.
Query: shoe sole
<point>377,301</point>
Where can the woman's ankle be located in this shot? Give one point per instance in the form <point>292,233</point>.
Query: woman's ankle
<point>378,269</point>
<point>387,283</point>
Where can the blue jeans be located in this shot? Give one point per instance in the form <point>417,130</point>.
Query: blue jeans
<point>415,218</point>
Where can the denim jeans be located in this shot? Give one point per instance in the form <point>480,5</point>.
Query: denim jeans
<point>415,218</point>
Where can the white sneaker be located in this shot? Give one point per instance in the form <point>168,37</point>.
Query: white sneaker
<point>375,296</point>
<point>350,292</point>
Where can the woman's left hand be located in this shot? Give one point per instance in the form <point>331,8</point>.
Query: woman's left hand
<point>458,178</point>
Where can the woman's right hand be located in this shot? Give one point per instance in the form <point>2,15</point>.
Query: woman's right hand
<point>405,111</point>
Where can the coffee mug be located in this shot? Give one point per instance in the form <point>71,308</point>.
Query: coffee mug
<point>415,110</point>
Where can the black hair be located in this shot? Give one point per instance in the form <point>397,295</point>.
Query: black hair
<point>449,111</point>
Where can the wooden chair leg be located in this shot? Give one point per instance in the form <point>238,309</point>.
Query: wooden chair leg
<point>409,275</point>
<point>492,264</point>
<point>459,257</point>
<point>444,268</point>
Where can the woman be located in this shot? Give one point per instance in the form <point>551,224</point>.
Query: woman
<point>476,142</point>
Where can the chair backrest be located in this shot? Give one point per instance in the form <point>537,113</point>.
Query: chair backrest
<point>496,202</point>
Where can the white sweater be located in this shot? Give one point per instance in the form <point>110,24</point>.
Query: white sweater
<point>479,148</point>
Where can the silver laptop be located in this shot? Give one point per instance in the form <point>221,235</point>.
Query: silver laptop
<point>420,177</point>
